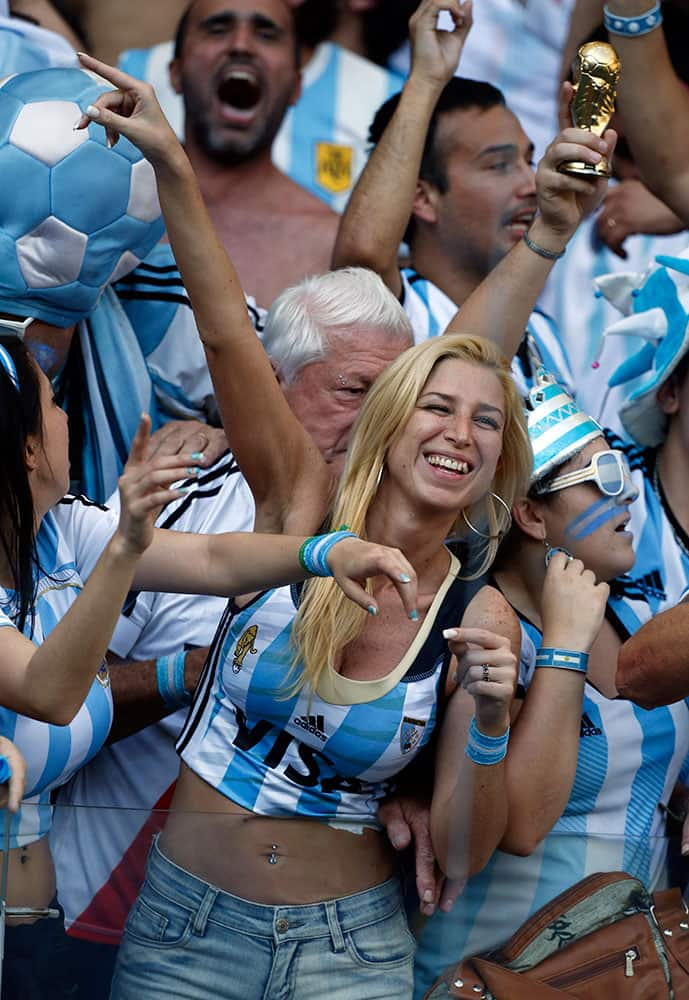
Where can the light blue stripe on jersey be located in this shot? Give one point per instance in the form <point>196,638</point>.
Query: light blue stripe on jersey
<point>657,747</point>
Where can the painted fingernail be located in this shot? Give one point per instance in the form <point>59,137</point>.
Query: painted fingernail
<point>414,615</point>
<point>397,843</point>
<point>182,489</point>
<point>404,578</point>
<point>82,120</point>
<point>193,470</point>
<point>428,896</point>
<point>109,142</point>
<point>450,633</point>
<point>372,610</point>
<point>198,456</point>
<point>92,111</point>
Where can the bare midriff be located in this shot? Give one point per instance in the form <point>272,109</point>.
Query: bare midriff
<point>265,859</point>
<point>30,878</point>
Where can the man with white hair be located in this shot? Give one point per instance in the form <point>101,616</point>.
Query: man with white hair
<point>328,339</point>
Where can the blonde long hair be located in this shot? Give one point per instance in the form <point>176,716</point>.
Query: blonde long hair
<point>327,621</point>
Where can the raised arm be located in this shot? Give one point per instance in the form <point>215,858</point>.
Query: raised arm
<point>500,307</point>
<point>380,205</point>
<point>282,465</point>
<point>654,106</point>
<point>547,726</point>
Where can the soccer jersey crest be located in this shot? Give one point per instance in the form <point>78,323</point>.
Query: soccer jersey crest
<point>334,166</point>
<point>411,732</point>
<point>245,644</point>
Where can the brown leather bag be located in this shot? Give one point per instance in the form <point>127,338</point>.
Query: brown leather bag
<point>605,938</point>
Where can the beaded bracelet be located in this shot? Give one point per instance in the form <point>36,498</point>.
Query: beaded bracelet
<point>633,27</point>
<point>541,251</point>
<point>482,749</point>
<point>170,677</point>
<point>562,659</point>
<point>313,553</point>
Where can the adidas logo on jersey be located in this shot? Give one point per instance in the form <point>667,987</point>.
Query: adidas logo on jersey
<point>588,728</point>
<point>314,724</point>
<point>649,585</point>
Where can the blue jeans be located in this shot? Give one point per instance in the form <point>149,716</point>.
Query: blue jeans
<point>186,939</point>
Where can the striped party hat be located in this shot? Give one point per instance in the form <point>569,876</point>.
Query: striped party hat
<point>558,429</point>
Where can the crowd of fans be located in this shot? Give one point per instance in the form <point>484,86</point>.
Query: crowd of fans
<point>345,522</point>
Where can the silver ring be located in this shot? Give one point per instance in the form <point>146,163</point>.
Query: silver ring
<point>486,672</point>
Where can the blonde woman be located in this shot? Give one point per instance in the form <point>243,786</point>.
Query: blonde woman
<point>272,872</point>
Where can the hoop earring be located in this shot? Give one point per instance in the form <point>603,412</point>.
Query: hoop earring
<point>502,532</point>
<point>380,474</point>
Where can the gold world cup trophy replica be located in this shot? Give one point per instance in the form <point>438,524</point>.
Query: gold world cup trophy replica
<point>596,75</point>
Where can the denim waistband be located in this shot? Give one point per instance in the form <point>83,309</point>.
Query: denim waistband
<point>331,918</point>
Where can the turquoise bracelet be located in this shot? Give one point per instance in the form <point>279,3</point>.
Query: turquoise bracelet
<point>170,678</point>
<point>562,659</point>
<point>485,750</point>
<point>313,553</point>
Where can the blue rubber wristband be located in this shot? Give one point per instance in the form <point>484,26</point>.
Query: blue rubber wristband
<point>313,554</point>
<point>170,678</point>
<point>633,27</point>
<point>486,750</point>
<point>562,659</point>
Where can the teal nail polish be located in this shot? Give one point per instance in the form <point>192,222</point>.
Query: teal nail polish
<point>193,471</point>
<point>372,610</point>
<point>404,578</point>
<point>197,456</point>
<point>414,615</point>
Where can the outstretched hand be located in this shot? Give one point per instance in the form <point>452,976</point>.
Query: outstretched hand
<point>131,110</point>
<point>353,561</point>
<point>436,52</point>
<point>145,487</point>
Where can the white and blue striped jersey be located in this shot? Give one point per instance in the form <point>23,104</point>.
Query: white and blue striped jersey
<point>323,141</point>
<point>322,144</point>
<point>660,574</point>
<point>430,310</point>
<point>629,760</point>
<point>70,540</point>
<point>581,316</point>
<point>100,851</point>
<point>330,754</point>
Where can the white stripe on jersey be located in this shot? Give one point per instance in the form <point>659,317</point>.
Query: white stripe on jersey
<point>125,780</point>
<point>430,311</point>
<point>581,317</point>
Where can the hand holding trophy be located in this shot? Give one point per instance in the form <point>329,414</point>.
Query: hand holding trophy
<point>596,75</point>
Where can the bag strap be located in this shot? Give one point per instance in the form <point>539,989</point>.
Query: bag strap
<point>672,917</point>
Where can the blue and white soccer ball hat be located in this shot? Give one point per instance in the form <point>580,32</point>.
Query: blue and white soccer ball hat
<point>74,215</point>
<point>655,305</point>
<point>558,429</point>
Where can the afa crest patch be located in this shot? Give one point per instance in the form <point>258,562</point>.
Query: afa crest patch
<point>103,675</point>
<point>245,645</point>
<point>334,166</point>
<point>411,733</point>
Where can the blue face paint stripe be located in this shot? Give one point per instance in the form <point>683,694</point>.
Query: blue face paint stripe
<point>589,512</point>
<point>596,524</point>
